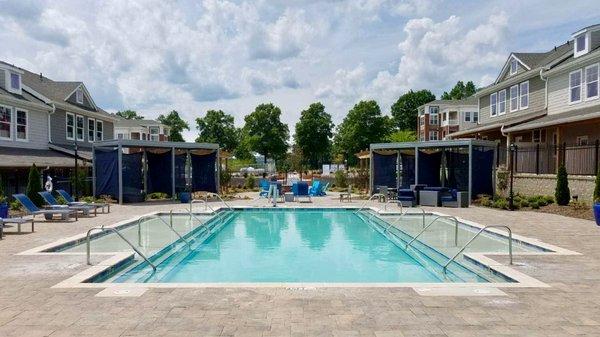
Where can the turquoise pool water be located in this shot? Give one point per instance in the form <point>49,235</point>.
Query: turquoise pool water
<point>288,245</point>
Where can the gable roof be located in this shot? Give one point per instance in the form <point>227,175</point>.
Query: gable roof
<point>537,60</point>
<point>123,122</point>
<point>471,100</point>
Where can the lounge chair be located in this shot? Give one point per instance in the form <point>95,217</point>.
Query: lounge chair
<point>324,190</point>
<point>52,202</point>
<point>264,188</point>
<point>49,214</point>
<point>300,189</point>
<point>316,189</point>
<point>70,201</point>
<point>406,197</point>
<point>455,198</point>
<point>18,222</point>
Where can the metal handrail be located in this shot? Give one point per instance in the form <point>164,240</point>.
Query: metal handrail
<point>197,201</point>
<point>190,213</point>
<point>431,223</point>
<point>110,229</point>
<point>391,202</point>
<point>366,202</point>
<point>223,201</point>
<point>156,216</point>
<point>403,214</point>
<point>510,254</point>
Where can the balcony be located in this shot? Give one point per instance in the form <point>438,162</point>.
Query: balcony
<point>450,122</point>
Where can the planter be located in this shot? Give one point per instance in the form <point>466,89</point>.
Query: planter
<point>185,197</point>
<point>4,210</point>
<point>597,213</point>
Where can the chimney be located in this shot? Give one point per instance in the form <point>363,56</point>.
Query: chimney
<point>41,77</point>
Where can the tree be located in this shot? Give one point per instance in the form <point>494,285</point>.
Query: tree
<point>34,185</point>
<point>218,127</point>
<point>363,125</point>
<point>597,188</point>
<point>460,91</point>
<point>129,114</point>
<point>562,193</point>
<point>176,124</point>
<point>405,110</point>
<point>264,132</point>
<point>313,134</point>
<point>402,136</point>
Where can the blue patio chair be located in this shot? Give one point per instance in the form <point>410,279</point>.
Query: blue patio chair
<point>300,189</point>
<point>52,202</point>
<point>315,189</point>
<point>455,198</point>
<point>32,209</point>
<point>406,197</point>
<point>264,188</point>
<point>324,190</point>
<point>70,201</point>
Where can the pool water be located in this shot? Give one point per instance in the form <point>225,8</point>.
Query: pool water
<point>292,245</point>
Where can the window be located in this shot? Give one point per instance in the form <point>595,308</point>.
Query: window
<point>538,136</point>
<point>91,129</point>
<point>433,135</point>
<point>513,66</point>
<point>22,133</point>
<point>524,91</point>
<point>475,116</point>
<point>79,96</point>
<point>591,81</point>
<point>493,104</point>
<point>70,126</point>
<point>5,121</point>
<point>582,140</point>
<point>581,45</point>
<point>467,116</point>
<point>421,120</point>
<point>15,81</point>
<point>434,119</point>
<point>99,131</point>
<point>120,136</point>
<point>502,102</point>
<point>154,130</point>
<point>434,109</point>
<point>80,123</point>
<point>575,86</point>
<point>514,98</point>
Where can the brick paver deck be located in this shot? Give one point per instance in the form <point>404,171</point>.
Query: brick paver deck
<point>571,306</point>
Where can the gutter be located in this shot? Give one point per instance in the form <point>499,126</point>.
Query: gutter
<point>49,123</point>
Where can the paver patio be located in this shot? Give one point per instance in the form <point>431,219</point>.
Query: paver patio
<point>571,306</point>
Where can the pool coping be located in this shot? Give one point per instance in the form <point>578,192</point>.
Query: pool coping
<point>115,259</point>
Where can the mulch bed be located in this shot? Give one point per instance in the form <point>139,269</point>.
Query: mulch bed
<point>570,211</point>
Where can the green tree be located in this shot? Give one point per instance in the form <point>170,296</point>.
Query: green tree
<point>264,132</point>
<point>2,196</point>
<point>218,127</point>
<point>129,114</point>
<point>176,124</point>
<point>402,136</point>
<point>313,134</point>
<point>405,110</point>
<point>562,193</point>
<point>363,125</point>
<point>460,91</point>
<point>597,188</point>
<point>34,185</point>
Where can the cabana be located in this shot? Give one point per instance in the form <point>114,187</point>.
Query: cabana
<point>128,170</point>
<point>463,164</point>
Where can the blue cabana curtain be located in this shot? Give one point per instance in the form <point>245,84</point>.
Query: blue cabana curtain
<point>180,183</point>
<point>407,174</point>
<point>429,168</point>
<point>384,166</point>
<point>132,178</point>
<point>457,165</point>
<point>107,172</point>
<point>483,171</point>
<point>159,177</point>
<point>203,172</point>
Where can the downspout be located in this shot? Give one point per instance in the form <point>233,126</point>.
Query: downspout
<point>49,124</point>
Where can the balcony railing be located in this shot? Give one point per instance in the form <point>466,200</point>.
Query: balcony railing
<point>448,122</point>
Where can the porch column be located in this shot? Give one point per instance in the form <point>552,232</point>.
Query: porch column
<point>509,140</point>
<point>120,167</point>
<point>559,152</point>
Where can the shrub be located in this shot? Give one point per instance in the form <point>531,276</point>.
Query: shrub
<point>534,205</point>
<point>249,183</point>
<point>157,196</point>
<point>500,203</point>
<point>34,185</point>
<point>15,205</point>
<point>88,199</point>
<point>485,201</point>
<point>2,196</point>
<point>562,193</point>
<point>524,203</point>
<point>597,187</point>
<point>502,179</point>
<point>549,199</point>
<point>341,179</point>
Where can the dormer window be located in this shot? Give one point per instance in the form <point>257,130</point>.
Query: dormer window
<point>513,66</point>
<point>15,81</point>
<point>582,45</point>
<point>79,96</point>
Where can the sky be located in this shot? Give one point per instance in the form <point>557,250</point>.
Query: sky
<point>192,56</point>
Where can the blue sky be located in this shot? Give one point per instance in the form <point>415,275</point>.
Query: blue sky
<point>155,56</point>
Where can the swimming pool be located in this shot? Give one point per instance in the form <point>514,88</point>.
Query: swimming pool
<point>298,246</point>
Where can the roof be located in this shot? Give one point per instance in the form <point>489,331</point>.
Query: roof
<point>499,124</point>
<point>20,157</point>
<point>471,100</point>
<point>588,28</point>
<point>536,60</point>
<point>560,118</point>
<point>434,144</point>
<point>25,96</point>
<point>152,144</point>
<point>123,122</point>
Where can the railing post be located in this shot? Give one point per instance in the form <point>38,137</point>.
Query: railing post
<point>537,158</point>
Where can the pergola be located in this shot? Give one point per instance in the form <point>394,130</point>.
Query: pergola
<point>463,164</point>
<point>129,169</point>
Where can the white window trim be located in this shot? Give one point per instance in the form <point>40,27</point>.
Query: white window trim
<point>83,128</point>
<point>522,107</point>
<point>475,114</point>
<point>580,86</point>
<point>500,113</point>
<point>436,133</point>
<point>17,124</point>
<point>10,125</point>
<point>510,70</point>
<point>517,97</point>
<point>580,138</point>
<point>67,126</point>
<point>492,113</point>
<point>101,132</point>
<point>587,45</point>
<point>586,82</point>
<point>465,116</point>
<point>79,95</point>
<point>93,120</point>
<point>9,87</point>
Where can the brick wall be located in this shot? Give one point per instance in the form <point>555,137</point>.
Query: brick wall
<point>531,184</point>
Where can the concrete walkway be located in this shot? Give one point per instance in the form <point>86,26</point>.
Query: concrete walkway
<point>571,306</point>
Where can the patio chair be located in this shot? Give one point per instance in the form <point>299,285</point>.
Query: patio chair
<point>70,201</point>
<point>315,189</point>
<point>324,190</point>
<point>300,189</point>
<point>18,222</point>
<point>264,188</point>
<point>455,198</point>
<point>406,197</point>
<point>346,195</point>
<point>52,202</point>
<point>49,214</point>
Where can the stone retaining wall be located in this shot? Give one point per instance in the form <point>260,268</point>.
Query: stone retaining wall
<point>532,184</point>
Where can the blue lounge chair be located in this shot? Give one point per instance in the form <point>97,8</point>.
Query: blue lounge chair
<point>264,188</point>
<point>300,189</point>
<point>70,201</point>
<point>315,189</point>
<point>406,197</point>
<point>32,209</point>
<point>52,202</point>
<point>324,190</point>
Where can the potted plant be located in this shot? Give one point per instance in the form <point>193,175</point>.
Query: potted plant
<point>596,206</point>
<point>3,203</point>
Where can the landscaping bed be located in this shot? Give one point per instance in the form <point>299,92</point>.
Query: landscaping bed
<point>538,203</point>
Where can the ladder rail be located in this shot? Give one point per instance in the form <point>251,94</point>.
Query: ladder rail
<point>183,211</point>
<point>200,201</point>
<point>366,202</point>
<point>407,212</point>
<point>156,216</point>
<point>432,222</point>
<point>221,199</point>
<point>110,229</point>
<point>510,251</point>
